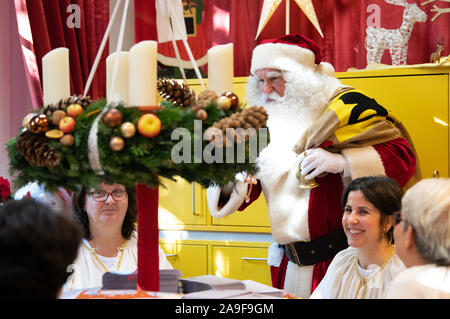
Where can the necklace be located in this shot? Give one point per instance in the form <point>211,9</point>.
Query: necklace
<point>363,280</point>
<point>95,255</point>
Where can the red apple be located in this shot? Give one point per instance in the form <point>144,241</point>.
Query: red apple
<point>67,124</point>
<point>149,125</point>
<point>74,110</point>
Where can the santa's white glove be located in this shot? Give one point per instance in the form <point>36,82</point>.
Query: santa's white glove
<point>235,191</point>
<point>316,161</point>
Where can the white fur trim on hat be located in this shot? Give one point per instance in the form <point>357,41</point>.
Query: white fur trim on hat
<point>327,68</point>
<point>280,56</point>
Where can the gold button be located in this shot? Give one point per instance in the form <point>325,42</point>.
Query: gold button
<point>330,246</point>
<point>313,252</point>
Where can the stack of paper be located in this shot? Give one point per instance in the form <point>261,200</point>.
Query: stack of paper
<point>119,280</point>
<point>208,282</point>
<point>261,289</point>
<point>169,280</point>
<point>213,287</point>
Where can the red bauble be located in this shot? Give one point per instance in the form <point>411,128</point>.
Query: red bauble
<point>112,118</point>
<point>39,123</point>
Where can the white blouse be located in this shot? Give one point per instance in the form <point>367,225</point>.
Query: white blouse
<point>421,282</point>
<point>87,270</point>
<point>345,278</point>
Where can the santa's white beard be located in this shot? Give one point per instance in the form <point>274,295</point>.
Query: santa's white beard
<point>306,95</point>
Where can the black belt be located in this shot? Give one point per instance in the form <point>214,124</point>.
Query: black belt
<point>307,253</point>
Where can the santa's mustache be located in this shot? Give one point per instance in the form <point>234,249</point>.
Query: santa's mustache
<point>272,97</point>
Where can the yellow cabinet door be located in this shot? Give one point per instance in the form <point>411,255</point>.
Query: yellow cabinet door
<point>254,215</point>
<point>180,204</point>
<point>420,102</point>
<point>191,260</point>
<point>241,263</point>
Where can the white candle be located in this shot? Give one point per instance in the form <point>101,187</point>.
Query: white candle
<point>56,75</point>
<point>143,74</point>
<point>119,91</point>
<point>220,68</point>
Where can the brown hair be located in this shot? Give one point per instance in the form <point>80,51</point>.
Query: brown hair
<point>79,214</point>
<point>382,192</point>
<point>36,247</point>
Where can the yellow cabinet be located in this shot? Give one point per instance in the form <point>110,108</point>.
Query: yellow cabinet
<point>230,259</point>
<point>241,263</point>
<point>191,260</point>
<point>420,100</point>
<point>180,203</point>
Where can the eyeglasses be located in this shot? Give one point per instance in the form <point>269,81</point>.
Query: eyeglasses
<point>397,218</point>
<point>102,196</point>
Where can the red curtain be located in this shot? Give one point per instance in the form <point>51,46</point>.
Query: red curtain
<point>50,29</point>
<point>343,23</point>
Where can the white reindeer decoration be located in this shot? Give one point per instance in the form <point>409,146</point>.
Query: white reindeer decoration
<point>395,40</point>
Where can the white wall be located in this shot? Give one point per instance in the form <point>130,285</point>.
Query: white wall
<point>15,101</point>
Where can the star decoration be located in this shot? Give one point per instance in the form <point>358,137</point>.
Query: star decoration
<point>270,6</point>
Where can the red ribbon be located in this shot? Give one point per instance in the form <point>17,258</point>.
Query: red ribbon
<point>148,236</point>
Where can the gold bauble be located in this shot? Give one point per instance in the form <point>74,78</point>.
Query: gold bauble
<point>128,129</point>
<point>201,115</point>
<point>117,143</point>
<point>224,102</point>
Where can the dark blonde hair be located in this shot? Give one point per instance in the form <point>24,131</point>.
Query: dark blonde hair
<point>382,192</point>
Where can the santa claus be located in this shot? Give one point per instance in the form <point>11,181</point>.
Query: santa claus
<point>322,130</point>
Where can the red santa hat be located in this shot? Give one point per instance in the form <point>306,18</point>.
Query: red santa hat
<point>287,53</point>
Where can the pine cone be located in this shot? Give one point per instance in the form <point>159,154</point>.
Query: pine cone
<point>204,99</point>
<point>251,117</point>
<point>78,99</point>
<point>179,94</point>
<point>62,104</point>
<point>49,109</point>
<point>35,149</point>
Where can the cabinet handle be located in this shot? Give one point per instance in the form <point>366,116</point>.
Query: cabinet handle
<point>436,173</point>
<point>171,255</point>
<point>193,200</point>
<point>253,258</point>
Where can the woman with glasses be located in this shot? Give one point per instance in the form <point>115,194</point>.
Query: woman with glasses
<point>108,218</point>
<point>366,268</point>
<point>422,239</point>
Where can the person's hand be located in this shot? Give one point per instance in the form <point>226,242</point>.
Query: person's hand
<point>316,161</point>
